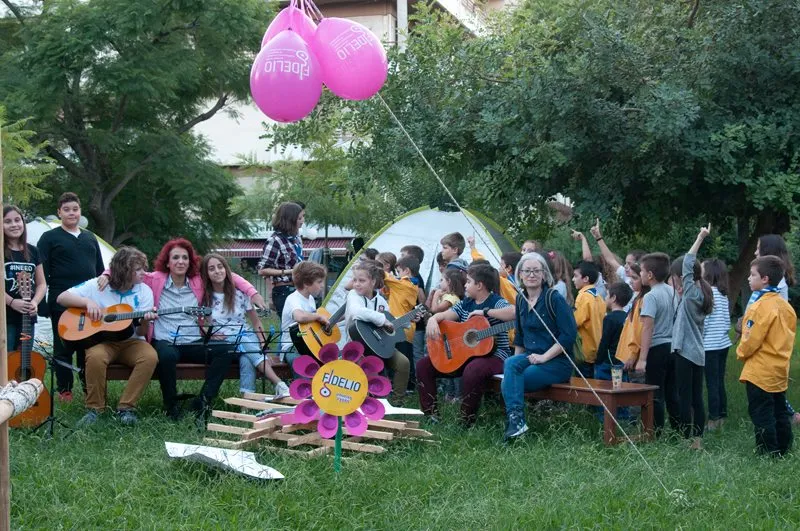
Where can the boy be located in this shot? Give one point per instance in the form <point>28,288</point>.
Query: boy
<point>452,246</point>
<point>69,257</point>
<point>481,299</point>
<point>128,267</point>
<point>508,264</point>
<point>300,307</point>
<point>590,308</point>
<point>768,333</point>
<point>415,251</point>
<point>619,295</point>
<point>403,296</point>
<point>655,354</point>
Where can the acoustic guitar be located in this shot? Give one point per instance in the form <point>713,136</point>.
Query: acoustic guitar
<point>459,342</point>
<point>115,323</point>
<point>377,339</point>
<point>25,363</point>
<point>309,338</point>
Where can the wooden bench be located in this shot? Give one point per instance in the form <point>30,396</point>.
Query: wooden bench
<point>193,371</point>
<point>577,392</point>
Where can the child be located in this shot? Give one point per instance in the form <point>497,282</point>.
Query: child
<point>418,343</point>
<point>388,261</point>
<point>619,294</point>
<point>696,302</point>
<point>590,308</point>
<point>481,299</point>
<point>508,264</point>
<point>300,306</point>
<point>562,274</point>
<point>229,307</point>
<point>365,303</point>
<point>655,356</point>
<point>128,268</point>
<point>450,293</point>
<point>768,335</point>
<point>403,295</point>
<point>631,336</point>
<point>452,246</point>
<point>415,251</point>
<point>369,254</point>
<point>441,263</point>
<point>716,342</point>
<point>622,270</point>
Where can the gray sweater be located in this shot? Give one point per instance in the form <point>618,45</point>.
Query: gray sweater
<point>687,334</point>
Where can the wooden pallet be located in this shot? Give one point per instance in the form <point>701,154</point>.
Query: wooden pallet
<point>238,430</point>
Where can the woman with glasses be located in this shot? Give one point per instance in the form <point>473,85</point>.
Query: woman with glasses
<point>542,317</point>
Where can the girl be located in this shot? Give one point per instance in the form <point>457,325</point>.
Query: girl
<point>20,257</point>
<point>282,251</point>
<point>562,275</point>
<point>538,360</point>
<point>229,307</point>
<point>365,303</point>
<point>631,336</point>
<point>774,245</point>
<point>696,302</point>
<point>388,261</point>
<point>716,342</point>
<point>450,293</point>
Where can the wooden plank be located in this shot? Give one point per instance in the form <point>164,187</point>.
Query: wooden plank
<point>308,438</point>
<point>267,422</point>
<point>231,415</point>
<point>257,404</point>
<point>390,424</point>
<point>224,443</point>
<point>297,427</point>
<point>349,445</point>
<point>256,434</point>
<point>380,435</point>
<point>314,452</point>
<point>278,435</point>
<point>412,424</point>
<point>269,399</point>
<point>224,428</point>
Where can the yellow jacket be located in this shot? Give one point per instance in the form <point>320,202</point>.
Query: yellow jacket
<point>590,309</point>
<point>402,298</point>
<point>768,330</point>
<point>630,339</point>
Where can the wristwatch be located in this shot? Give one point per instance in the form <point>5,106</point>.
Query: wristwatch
<point>486,312</point>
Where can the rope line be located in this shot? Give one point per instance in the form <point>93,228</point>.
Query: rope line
<point>519,291</point>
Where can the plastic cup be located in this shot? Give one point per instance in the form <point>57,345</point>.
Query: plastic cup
<point>616,377</point>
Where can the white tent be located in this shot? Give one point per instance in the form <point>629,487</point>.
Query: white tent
<point>425,227</point>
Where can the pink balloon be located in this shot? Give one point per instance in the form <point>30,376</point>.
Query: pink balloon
<point>290,18</point>
<point>354,64</point>
<point>285,80</point>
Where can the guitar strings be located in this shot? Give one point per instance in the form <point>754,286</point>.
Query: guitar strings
<point>669,493</point>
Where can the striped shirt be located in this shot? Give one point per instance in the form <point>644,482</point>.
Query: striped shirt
<point>502,349</point>
<point>717,324</point>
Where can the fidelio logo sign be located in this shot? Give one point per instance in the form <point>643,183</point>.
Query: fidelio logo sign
<point>339,387</point>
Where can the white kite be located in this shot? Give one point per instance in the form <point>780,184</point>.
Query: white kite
<point>232,460</point>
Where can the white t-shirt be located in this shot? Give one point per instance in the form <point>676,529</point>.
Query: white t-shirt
<point>295,301</point>
<point>235,318</point>
<point>139,297</point>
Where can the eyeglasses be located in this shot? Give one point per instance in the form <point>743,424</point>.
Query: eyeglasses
<point>531,272</point>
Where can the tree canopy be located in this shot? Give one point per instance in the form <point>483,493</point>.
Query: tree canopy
<point>114,88</point>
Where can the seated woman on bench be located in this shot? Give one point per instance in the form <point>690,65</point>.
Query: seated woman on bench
<point>538,361</point>
<point>176,282</point>
<point>231,307</point>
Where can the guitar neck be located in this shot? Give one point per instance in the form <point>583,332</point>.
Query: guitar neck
<point>137,315</point>
<point>338,314</point>
<point>496,329</point>
<point>404,320</point>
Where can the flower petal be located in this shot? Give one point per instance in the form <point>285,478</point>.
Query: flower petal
<point>327,425</point>
<point>306,366</point>
<point>355,423</point>
<point>373,409</point>
<point>328,353</point>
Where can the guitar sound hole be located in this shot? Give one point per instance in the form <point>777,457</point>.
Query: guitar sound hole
<point>471,338</point>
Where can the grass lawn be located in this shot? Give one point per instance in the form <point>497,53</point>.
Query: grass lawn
<point>560,475</point>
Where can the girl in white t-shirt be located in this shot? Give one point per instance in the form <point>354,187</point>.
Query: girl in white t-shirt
<point>229,307</point>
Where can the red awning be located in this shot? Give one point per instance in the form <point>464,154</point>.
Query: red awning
<point>253,248</point>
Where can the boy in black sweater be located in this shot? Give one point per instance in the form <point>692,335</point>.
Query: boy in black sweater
<point>69,257</point>
<point>619,295</point>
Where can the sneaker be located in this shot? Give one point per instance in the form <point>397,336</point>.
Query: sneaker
<point>516,426</point>
<point>281,390</point>
<point>65,396</point>
<point>174,413</point>
<point>127,417</point>
<point>91,417</point>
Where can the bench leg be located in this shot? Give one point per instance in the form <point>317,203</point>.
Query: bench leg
<point>609,428</point>
<point>647,417</point>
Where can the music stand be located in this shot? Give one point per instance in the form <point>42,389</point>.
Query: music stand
<point>51,419</point>
<point>264,351</point>
<point>205,336</point>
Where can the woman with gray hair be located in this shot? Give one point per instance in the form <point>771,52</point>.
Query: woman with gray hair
<point>542,316</point>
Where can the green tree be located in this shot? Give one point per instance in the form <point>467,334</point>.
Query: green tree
<point>24,166</point>
<point>116,88</point>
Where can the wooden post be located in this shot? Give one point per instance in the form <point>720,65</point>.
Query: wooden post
<point>5,481</point>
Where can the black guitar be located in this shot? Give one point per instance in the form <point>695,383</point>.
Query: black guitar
<point>377,339</point>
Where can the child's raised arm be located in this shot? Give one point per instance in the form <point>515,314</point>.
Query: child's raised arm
<point>585,250</point>
<point>604,250</point>
<point>702,235</point>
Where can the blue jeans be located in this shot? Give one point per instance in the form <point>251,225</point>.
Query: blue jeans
<point>520,377</point>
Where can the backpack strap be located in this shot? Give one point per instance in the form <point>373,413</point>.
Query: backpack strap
<point>549,303</point>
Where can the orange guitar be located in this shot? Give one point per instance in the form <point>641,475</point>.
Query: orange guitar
<point>115,323</point>
<point>24,364</point>
<point>459,342</point>
<point>309,338</point>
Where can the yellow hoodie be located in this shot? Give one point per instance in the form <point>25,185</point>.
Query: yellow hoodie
<point>402,298</point>
<point>590,309</point>
<point>630,339</point>
<point>768,330</point>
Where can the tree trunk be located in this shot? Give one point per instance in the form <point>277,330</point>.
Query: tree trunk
<point>105,221</point>
<point>766,223</point>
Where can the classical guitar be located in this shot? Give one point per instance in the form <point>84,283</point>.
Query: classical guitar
<point>459,342</point>
<point>25,363</point>
<point>377,339</point>
<point>115,323</point>
<point>309,338</point>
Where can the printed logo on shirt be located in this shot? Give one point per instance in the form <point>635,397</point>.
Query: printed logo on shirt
<point>749,323</point>
<point>381,308</point>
